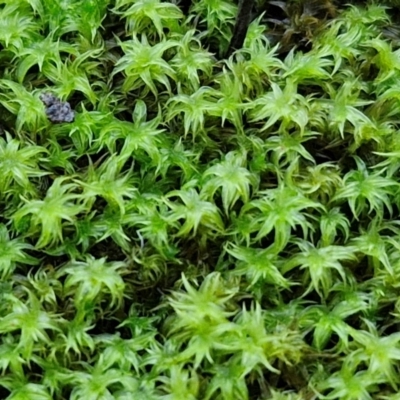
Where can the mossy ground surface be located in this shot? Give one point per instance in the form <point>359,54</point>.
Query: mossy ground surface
<point>193,226</point>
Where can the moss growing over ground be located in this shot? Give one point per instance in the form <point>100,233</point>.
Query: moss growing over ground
<point>176,224</point>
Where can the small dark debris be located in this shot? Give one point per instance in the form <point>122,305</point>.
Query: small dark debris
<point>56,110</point>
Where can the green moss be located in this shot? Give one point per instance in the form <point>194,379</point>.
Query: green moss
<point>201,228</point>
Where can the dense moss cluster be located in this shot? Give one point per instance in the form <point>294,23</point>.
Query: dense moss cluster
<point>177,225</point>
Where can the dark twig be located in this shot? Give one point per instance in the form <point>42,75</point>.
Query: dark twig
<point>243,21</point>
